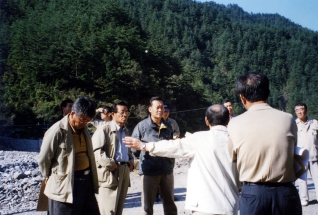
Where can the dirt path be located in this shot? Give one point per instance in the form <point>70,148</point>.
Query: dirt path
<point>133,200</point>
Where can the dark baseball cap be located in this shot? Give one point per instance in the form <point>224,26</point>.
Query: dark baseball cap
<point>166,108</point>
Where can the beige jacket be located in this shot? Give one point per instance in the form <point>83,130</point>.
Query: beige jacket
<point>262,142</point>
<point>105,141</point>
<point>56,161</point>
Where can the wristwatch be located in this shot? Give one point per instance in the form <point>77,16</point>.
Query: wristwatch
<point>143,148</point>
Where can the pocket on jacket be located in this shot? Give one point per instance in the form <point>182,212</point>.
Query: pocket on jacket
<point>58,183</point>
<point>107,178</point>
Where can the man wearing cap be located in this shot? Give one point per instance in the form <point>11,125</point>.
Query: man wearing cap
<point>67,161</point>
<point>173,123</point>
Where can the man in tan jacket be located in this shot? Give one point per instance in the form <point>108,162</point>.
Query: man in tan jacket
<point>261,142</point>
<point>113,160</point>
<point>67,161</point>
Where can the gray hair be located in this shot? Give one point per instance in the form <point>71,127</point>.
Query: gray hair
<point>84,106</point>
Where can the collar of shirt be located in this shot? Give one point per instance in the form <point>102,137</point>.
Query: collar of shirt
<point>219,127</point>
<point>309,120</point>
<point>120,128</point>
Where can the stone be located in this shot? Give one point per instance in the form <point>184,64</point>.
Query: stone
<point>19,175</point>
<point>28,172</point>
<point>35,173</point>
<point>10,186</point>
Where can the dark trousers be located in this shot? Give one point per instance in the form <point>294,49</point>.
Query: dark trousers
<point>270,199</point>
<point>84,201</point>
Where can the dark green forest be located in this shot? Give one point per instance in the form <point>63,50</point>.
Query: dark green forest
<point>188,52</point>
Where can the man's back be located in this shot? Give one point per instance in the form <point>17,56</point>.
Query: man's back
<point>264,146</point>
<point>212,177</point>
<point>212,185</point>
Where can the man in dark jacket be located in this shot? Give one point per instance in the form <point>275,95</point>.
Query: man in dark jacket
<point>156,171</point>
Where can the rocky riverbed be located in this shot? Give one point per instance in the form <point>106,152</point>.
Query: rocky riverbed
<point>20,182</point>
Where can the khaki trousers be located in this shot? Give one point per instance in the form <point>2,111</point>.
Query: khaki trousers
<point>302,181</point>
<point>111,200</point>
<point>149,191</point>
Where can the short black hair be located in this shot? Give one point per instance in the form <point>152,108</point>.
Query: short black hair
<point>217,115</point>
<point>64,103</point>
<point>301,104</point>
<point>108,109</point>
<point>84,106</point>
<point>253,86</point>
<point>226,101</point>
<point>155,98</point>
<point>121,102</point>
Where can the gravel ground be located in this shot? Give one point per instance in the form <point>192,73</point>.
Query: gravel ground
<point>25,203</point>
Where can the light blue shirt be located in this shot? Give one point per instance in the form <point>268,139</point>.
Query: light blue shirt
<point>121,154</point>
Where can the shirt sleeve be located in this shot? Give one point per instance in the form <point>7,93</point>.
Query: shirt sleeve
<point>48,148</point>
<point>232,151</point>
<point>100,140</point>
<point>179,148</point>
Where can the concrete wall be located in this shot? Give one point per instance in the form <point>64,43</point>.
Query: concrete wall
<point>20,144</point>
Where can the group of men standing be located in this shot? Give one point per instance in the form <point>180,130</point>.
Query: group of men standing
<point>77,166</point>
<point>254,154</point>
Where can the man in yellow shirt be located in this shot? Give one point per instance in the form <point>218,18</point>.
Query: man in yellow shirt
<point>67,161</point>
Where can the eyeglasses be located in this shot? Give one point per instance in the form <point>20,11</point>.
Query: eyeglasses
<point>124,112</point>
<point>83,121</point>
<point>299,109</point>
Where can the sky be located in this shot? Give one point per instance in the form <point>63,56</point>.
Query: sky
<point>302,12</point>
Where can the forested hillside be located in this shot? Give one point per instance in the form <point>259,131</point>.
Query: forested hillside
<point>188,52</point>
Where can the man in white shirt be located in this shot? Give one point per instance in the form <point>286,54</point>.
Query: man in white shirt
<point>212,186</point>
<point>307,138</point>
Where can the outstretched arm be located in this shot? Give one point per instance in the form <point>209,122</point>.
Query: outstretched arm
<point>184,147</point>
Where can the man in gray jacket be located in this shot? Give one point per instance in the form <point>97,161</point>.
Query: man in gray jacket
<point>67,161</point>
<point>156,171</point>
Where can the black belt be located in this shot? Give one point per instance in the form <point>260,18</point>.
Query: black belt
<point>270,184</point>
<point>82,174</point>
<point>123,163</point>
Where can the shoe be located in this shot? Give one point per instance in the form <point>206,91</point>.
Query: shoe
<point>304,202</point>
